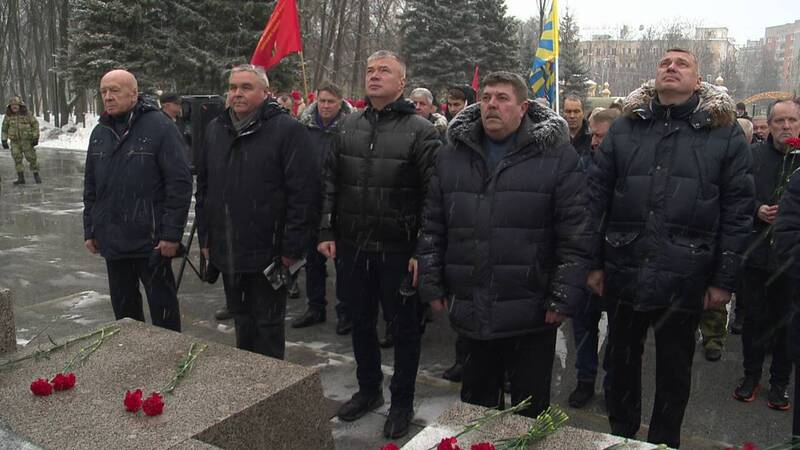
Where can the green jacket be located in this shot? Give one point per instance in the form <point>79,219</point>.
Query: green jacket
<point>20,126</point>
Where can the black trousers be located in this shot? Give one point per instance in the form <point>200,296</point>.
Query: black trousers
<point>365,279</point>
<point>527,359</point>
<point>675,341</point>
<point>258,313</point>
<point>766,324</point>
<point>156,276</point>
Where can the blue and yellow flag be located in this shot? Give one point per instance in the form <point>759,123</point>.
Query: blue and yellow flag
<point>542,77</point>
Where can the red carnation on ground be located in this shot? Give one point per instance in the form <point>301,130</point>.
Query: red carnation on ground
<point>794,143</point>
<point>153,405</point>
<point>41,387</point>
<point>448,444</point>
<point>133,400</point>
<point>63,382</point>
<point>482,446</point>
<point>390,446</point>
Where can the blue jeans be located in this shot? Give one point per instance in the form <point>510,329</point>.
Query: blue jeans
<point>585,326</point>
<point>316,273</point>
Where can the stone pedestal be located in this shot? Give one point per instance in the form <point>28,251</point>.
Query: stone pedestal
<point>232,399</point>
<point>8,332</point>
<point>453,420</point>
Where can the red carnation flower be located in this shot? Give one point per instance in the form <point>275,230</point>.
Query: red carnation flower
<point>448,444</point>
<point>41,387</point>
<point>133,400</point>
<point>63,382</point>
<point>482,446</point>
<point>390,446</point>
<point>794,143</point>
<point>750,445</point>
<point>153,405</point>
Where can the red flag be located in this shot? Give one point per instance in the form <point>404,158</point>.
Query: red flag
<point>476,84</point>
<point>281,36</point>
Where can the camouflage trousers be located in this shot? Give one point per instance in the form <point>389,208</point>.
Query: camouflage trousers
<point>24,148</point>
<point>713,326</point>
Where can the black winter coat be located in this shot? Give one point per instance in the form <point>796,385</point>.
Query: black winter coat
<point>583,145</point>
<point>321,141</point>
<point>254,190</point>
<point>375,178</point>
<point>770,166</point>
<point>507,246</point>
<point>137,187</point>
<point>787,231</point>
<point>672,192</point>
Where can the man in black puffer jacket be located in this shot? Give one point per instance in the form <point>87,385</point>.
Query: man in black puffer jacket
<point>255,177</point>
<point>506,241</point>
<point>137,191</point>
<point>375,180</point>
<point>672,194</point>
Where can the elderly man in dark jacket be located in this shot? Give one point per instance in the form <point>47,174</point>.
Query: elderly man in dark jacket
<point>765,290</point>
<point>375,181</point>
<point>137,191</point>
<point>322,118</point>
<point>672,194</point>
<point>787,252</point>
<point>506,243</point>
<point>253,199</point>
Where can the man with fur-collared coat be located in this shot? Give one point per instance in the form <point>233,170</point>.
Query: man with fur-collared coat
<point>505,243</point>
<point>672,196</point>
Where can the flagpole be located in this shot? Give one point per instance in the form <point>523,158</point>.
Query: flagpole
<point>557,27</point>
<point>305,76</point>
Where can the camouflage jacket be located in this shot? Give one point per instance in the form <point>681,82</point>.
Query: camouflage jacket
<point>20,126</point>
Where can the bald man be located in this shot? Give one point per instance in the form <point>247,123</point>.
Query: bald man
<point>137,190</point>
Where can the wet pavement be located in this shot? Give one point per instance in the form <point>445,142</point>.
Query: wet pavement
<point>60,289</point>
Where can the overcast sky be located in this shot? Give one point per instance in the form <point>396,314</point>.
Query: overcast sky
<point>745,19</point>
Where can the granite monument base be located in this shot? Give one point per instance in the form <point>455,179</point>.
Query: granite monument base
<point>232,399</point>
<point>453,420</point>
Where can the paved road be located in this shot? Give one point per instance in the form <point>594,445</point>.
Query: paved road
<point>62,289</point>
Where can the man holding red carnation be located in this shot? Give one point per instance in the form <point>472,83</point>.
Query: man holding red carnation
<point>766,288</point>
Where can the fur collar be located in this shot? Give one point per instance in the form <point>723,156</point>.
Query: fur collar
<point>716,108</point>
<point>309,116</point>
<point>541,127</point>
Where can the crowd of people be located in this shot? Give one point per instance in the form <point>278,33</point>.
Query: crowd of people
<point>499,211</point>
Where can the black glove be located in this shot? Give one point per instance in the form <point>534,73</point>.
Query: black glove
<point>5,145</point>
<point>35,143</point>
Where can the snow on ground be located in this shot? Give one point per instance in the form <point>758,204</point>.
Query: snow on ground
<point>71,136</point>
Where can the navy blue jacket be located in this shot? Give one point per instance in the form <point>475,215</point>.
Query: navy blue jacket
<point>137,185</point>
<point>672,194</point>
<point>254,190</point>
<point>506,246</point>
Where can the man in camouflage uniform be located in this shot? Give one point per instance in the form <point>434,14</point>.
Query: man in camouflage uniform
<point>22,130</point>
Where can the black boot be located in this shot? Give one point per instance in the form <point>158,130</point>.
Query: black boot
<point>223,314</point>
<point>388,338</point>
<point>454,373</point>
<point>20,179</point>
<point>582,394</point>
<point>312,316</point>
<point>37,178</point>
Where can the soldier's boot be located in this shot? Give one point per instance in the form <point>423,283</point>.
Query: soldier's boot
<point>37,178</point>
<point>20,179</point>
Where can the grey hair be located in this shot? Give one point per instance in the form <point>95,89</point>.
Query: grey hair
<point>747,127</point>
<point>382,54</point>
<point>257,70</point>
<point>771,111</point>
<point>422,92</point>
